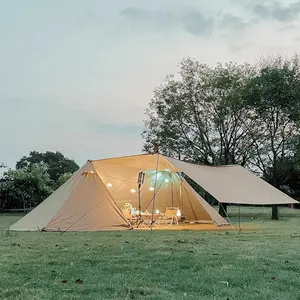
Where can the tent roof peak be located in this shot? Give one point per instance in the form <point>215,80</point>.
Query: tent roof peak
<point>127,156</point>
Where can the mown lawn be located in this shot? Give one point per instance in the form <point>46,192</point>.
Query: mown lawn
<point>256,264</point>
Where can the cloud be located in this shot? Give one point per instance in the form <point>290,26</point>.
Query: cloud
<point>114,129</point>
<point>194,22</point>
<point>150,19</point>
<point>289,28</point>
<point>197,24</point>
<point>278,11</point>
<point>231,22</point>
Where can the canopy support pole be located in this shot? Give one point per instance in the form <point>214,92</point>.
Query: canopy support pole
<point>239,219</point>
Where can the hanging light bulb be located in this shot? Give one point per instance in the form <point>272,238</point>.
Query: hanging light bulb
<point>109,184</point>
<point>166,180</point>
<point>151,188</point>
<point>132,191</point>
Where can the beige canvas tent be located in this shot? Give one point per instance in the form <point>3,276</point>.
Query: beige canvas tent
<point>93,199</point>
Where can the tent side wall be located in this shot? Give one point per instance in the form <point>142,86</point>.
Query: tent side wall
<point>211,212</point>
<point>39,217</point>
<point>90,207</point>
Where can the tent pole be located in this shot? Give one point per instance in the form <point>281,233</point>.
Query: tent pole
<point>239,218</point>
<point>155,184</point>
<point>180,193</point>
<point>172,192</point>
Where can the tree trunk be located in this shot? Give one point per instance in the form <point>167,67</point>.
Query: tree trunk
<point>223,209</point>
<point>24,203</point>
<point>275,215</point>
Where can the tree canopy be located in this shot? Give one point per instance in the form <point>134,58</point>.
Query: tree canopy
<point>25,187</point>
<point>57,163</point>
<point>36,176</point>
<point>229,114</point>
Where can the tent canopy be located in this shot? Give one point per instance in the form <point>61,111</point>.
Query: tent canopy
<point>233,184</point>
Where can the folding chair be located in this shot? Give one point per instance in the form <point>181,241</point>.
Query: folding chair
<point>170,214</point>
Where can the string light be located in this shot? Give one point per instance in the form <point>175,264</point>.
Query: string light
<point>178,214</point>
<point>132,191</point>
<point>109,184</point>
<point>157,211</point>
<point>151,188</point>
<point>158,175</point>
<point>166,180</point>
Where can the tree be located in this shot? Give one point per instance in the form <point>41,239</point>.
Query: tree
<point>57,164</point>
<point>200,116</point>
<point>272,96</point>
<point>62,179</point>
<point>25,187</point>
<point>230,114</point>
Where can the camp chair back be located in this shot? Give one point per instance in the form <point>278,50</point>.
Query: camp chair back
<point>171,214</point>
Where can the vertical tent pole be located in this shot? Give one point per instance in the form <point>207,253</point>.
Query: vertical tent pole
<point>172,191</point>
<point>180,193</point>
<point>155,184</point>
<point>239,218</point>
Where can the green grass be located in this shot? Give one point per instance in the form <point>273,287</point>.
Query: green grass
<point>256,264</point>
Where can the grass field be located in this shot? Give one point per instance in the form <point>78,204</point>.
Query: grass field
<point>256,264</point>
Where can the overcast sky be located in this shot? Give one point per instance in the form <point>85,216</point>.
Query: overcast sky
<point>77,75</point>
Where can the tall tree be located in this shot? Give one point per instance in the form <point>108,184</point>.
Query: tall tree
<point>200,115</point>
<point>230,114</point>
<point>272,96</point>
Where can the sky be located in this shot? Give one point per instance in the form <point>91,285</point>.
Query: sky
<point>77,75</point>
